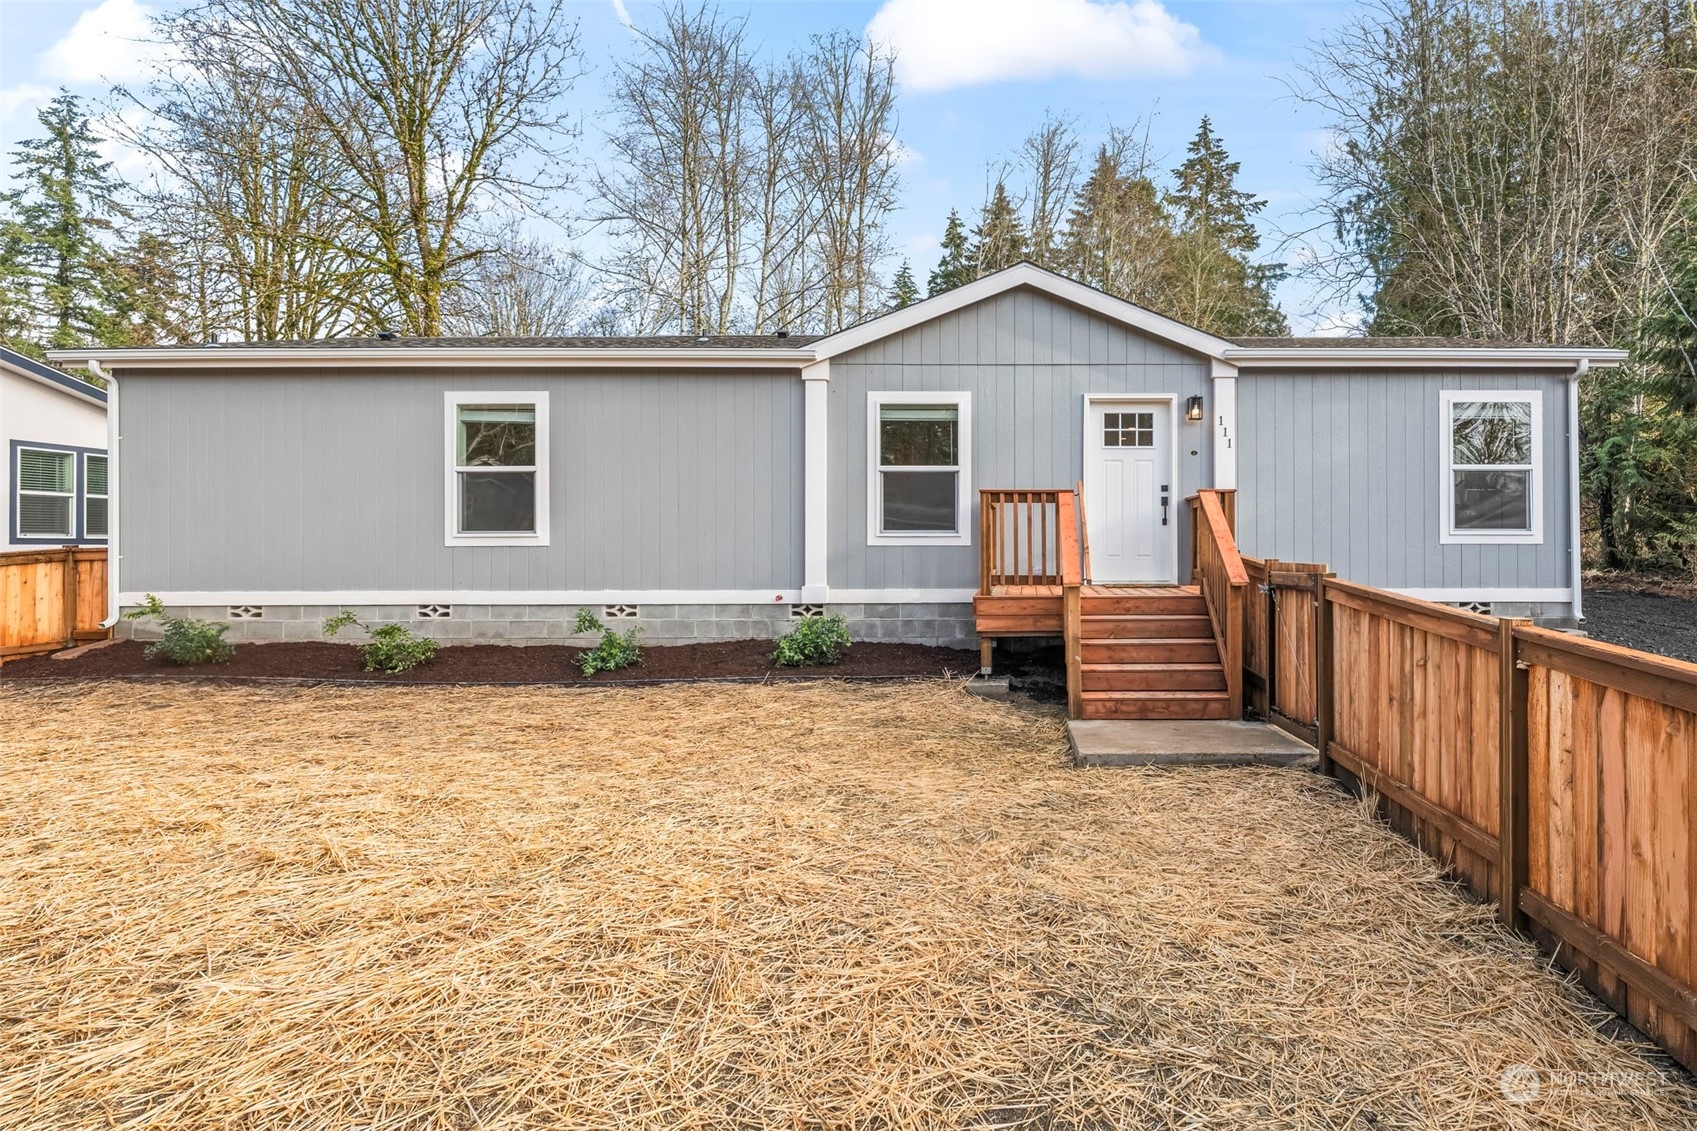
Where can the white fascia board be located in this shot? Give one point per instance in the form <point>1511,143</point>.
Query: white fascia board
<point>1022,275</point>
<point>1464,594</point>
<point>1374,357</point>
<point>63,386</point>
<point>407,357</point>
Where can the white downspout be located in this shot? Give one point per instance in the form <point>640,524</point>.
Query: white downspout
<point>112,507</point>
<point>1579,371</point>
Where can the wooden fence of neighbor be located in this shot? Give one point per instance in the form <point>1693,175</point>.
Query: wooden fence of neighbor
<point>1556,776</point>
<point>51,599</point>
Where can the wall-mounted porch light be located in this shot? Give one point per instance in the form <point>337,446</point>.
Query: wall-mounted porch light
<point>1193,408</point>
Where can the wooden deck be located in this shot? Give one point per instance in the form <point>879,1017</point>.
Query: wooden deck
<point>1132,651</point>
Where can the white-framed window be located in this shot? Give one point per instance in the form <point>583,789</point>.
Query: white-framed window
<point>919,469</point>
<point>1493,466</point>
<point>497,469</point>
<point>46,493</point>
<point>95,500</point>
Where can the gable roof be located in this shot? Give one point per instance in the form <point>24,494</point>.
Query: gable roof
<point>15,362</point>
<point>795,351</point>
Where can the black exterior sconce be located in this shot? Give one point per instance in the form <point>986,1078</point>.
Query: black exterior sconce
<point>1193,408</point>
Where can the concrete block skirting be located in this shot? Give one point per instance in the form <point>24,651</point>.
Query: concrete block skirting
<point>949,626</point>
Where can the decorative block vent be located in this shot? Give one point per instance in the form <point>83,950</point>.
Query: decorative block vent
<point>1483,608</point>
<point>618,612</point>
<point>806,612</point>
<point>246,612</point>
<point>434,612</point>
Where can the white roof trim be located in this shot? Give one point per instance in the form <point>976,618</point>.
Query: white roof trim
<point>1022,275</point>
<point>418,357</point>
<point>1405,357</point>
<point>63,387</point>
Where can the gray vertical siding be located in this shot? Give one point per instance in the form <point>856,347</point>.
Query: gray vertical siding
<point>1344,468</point>
<point>1028,361</point>
<point>333,480</point>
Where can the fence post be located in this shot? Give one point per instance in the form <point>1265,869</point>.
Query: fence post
<point>1323,720</point>
<point>68,589</point>
<point>1512,765</point>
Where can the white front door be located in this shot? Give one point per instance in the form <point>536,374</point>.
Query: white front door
<point>1130,499</point>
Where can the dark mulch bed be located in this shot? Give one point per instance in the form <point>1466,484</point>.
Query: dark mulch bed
<point>1650,622</point>
<point>495,663</point>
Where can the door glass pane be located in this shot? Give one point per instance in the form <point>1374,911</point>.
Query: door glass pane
<point>919,501</point>
<point>1493,500</point>
<point>498,502</point>
<point>46,471</point>
<point>1128,429</point>
<point>1492,432</point>
<point>918,435</point>
<point>45,516</point>
<point>497,435</point>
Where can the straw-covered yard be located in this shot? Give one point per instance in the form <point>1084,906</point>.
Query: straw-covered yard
<point>729,907</point>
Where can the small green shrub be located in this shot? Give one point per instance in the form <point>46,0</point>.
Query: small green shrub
<point>392,647</point>
<point>616,649</point>
<point>814,641</point>
<point>184,640</point>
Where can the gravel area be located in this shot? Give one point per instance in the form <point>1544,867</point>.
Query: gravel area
<point>1649,622</point>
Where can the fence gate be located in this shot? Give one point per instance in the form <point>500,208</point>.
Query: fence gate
<point>1283,642</point>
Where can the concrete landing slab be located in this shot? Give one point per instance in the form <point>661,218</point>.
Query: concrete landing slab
<point>1182,742</point>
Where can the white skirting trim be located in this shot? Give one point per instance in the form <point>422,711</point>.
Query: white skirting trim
<point>1526,595</point>
<point>479,597</point>
<point>559,597</point>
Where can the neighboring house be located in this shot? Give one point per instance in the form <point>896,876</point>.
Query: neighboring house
<point>53,433</point>
<point>485,489</point>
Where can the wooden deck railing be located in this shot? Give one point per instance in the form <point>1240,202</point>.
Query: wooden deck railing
<point>51,599</point>
<point>1218,568</point>
<point>1070,514</point>
<point>1019,538</point>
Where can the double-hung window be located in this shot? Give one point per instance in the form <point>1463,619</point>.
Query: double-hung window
<point>920,468</point>
<point>1493,479</point>
<point>95,500</point>
<point>497,487</point>
<point>46,493</point>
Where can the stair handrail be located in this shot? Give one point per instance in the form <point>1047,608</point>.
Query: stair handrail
<point>1072,598</point>
<point>1219,570</point>
<point>1083,531</point>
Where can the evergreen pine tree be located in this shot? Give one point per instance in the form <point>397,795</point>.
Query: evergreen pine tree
<point>954,269</point>
<point>904,290</point>
<point>1215,283</point>
<point>1669,335</point>
<point>67,199</point>
<point>999,240</point>
<point>1119,237</point>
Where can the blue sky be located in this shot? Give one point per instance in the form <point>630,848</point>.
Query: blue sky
<point>976,76</point>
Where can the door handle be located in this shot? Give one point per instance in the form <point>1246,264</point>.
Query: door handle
<point>1164,503</point>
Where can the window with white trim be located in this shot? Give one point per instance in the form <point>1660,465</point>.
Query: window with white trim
<point>1493,484</point>
<point>95,499</point>
<point>497,486</point>
<point>46,493</point>
<point>919,468</point>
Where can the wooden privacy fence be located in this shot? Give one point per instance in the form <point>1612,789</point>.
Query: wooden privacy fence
<point>51,599</point>
<point>1556,776</point>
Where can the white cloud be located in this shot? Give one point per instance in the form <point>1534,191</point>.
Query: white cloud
<point>943,44</point>
<point>623,13</point>
<point>111,42</point>
<point>25,96</point>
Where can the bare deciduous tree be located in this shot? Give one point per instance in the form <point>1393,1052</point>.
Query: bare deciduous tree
<point>1049,159</point>
<point>437,111</point>
<point>520,288</point>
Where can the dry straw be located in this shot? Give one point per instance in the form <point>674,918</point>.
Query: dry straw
<point>804,906</point>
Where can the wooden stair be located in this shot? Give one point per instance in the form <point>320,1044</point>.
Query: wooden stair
<point>1150,655</point>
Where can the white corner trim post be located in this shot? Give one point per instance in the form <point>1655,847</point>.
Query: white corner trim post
<point>1574,533</point>
<point>816,467</point>
<point>1225,426</point>
<point>113,492</point>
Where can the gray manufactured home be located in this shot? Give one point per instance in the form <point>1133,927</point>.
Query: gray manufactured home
<point>717,487</point>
